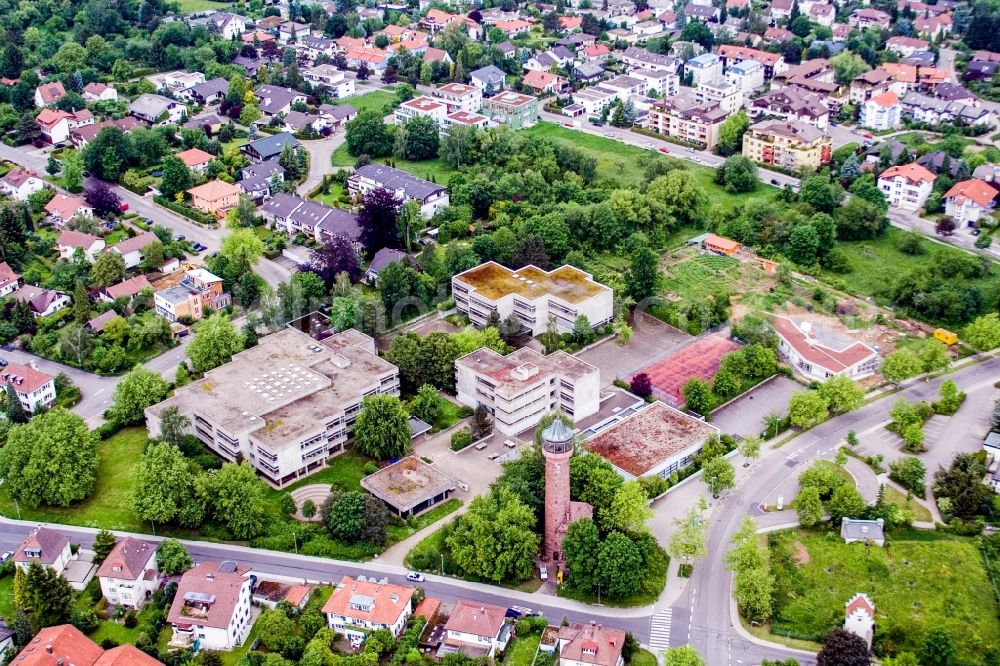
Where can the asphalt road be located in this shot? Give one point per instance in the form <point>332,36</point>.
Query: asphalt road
<point>709,590</point>
<point>96,390</point>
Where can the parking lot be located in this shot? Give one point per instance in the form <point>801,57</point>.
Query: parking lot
<point>651,340</point>
<point>745,415</point>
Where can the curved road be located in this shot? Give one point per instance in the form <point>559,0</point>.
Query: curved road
<point>705,604</point>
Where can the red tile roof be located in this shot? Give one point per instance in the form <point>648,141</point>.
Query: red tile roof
<point>390,601</point>
<point>427,608</point>
<point>7,275</point>
<point>744,53</point>
<point>51,92</point>
<point>207,579</point>
<point>65,206</point>
<point>127,560</point>
<point>49,118</point>
<point>30,380</point>
<point>887,99</point>
<point>136,242</point>
<point>472,617</point>
<point>809,348</point>
<point>297,594</point>
<point>194,157</point>
<point>539,80</point>
<point>18,176</point>
<point>55,646</point>
<point>129,287</point>
<point>70,238</point>
<point>125,655</point>
<point>977,190</point>
<point>912,172</point>
<point>591,644</point>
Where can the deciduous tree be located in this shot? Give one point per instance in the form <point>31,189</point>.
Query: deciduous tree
<point>984,332</point>
<point>807,408</point>
<point>242,248</point>
<point>809,507</point>
<point>214,344</point>
<point>377,219</point>
<point>163,486</point>
<point>495,539</point>
<point>718,474</point>
<point>108,269</point>
<point>619,564</point>
<point>844,648</point>
<point>382,430</point>
<point>580,548</point>
<point>172,558</point>
<point>235,497</point>
<point>136,391</point>
<point>842,394</point>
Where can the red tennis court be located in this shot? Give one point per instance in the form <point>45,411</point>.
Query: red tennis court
<point>700,359</point>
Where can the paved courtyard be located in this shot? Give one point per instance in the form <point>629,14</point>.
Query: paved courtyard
<point>745,415</point>
<point>651,340</point>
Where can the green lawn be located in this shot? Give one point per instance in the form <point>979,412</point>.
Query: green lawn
<point>397,533</point>
<point>333,198</point>
<point>106,507</point>
<point>703,275</point>
<point>643,658</point>
<point>920,512</point>
<point>374,101</point>
<point>7,598</point>
<point>877,263</point>
<point>522,652</point>
<point>343,472</point>
<point>435,170</point>
<point>191,6</point>
<point>920,580</point>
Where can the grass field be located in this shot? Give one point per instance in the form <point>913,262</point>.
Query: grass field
<point>397,533</point>
<point>920,512</point>
<point>918,581</point>
<point>190,6</point>
<point>435,170</point>
<point>643,658</point>
<point>877,263</point>
<point>106,507</point>
<point>373,101</point>
<point>522,652</point>
<point>702,275</point>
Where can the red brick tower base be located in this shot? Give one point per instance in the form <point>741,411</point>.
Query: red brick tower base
<point>557,449</point>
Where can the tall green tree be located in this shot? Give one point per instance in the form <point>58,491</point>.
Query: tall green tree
<point>172,557</point>
<point>731,133</point>
<point>176,178</point>
<point>162,486</point>
<point>643,275</point>
<point>50,460</point>
<point>580,548</point>
<point>104,543</point>
<point>15,410</point>
<point>807,408</point>
<point>215,343</point>
<point>496,538</point>
<point>108,269</point>
<point>382,429</point>
<point>809,507</point>
<point>236,498</point>
<point>718,474</point>
<point>690,532</point>
<point>136,391</point>
<point>842,394</point>
<point>242,248</point>
<point>50,597</point>
<point>619,566</point>
<point>629,509</point>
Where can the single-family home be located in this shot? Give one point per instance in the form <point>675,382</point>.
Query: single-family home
<point>33,388</point>
<point>327,75</point>
<point>10,280</point>
<point>269,147</point>
<point>383,258</point>
<point>197,292</point>
<point>213,90</point>
<point>215,196</point>
<point>129,575</point>
<point>127,289</point>
<point>156,109</point>
<point>543,82</point>
<point>257,180</point>
<point>227,25</point>
<point>195,159</point>
<point>70,241</point>
<point>20,183</point>
<point>590,644</point>
<point>49,93</point>
<point>42,302</point>
<point>65,644</point>
<point>64,207</point>
<point>45,546</point>
<point>968,201</point>
<point>212,607</point>
<point>868,17</point>
<point>907,186</point>
<point>277,99</point>
<point>54,125</point>
<point>99,92</point>
<point>131,248</point>
<point>358,607</point>
<point>491,79</point>
<point>478,628</point>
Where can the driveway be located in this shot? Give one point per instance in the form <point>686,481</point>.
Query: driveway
<point>320,160</point>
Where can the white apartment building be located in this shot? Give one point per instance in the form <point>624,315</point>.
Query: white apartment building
<point>663,83</point>
<point>431,196</point>
<point>460,97</point>
<point>212,607</point>
<point>748,76</point>
<point>287,405</point>
<point>718,91</point>
<point>907,186</point>
<point>881,113</point>
<point>332,78</point>
<point>420,106</point>
<point>706,67</point>
<point>34,388</point>
<point>359,606</point>
<point>626,86</point>
<point>533,295</point>
<point>129,574</point>
<point>520,388</point>
<point>637,58</point>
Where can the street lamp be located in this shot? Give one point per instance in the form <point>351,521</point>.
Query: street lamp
<point>441,570</point>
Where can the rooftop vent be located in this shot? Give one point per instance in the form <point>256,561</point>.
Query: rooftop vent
<point>340,361</point>
<point>524,371</point>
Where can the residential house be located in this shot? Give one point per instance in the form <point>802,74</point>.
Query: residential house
<point>359,606</point>
<point>337,115</point>
<point>277,99</point>
<point>383,258</point>
<point>882,113</point>
<point>663,83</point>
<point>906,46</point>
<point>316,47</point>
<point>706,67</point>
<point>684,118</point>
<point>227,25</point>
<point>596,53</point>
<point>823,14</point>
<point>705,14</point>
<point>491,79</point>
<point>859,617</point>
<point>42,302</point>
<point>65,644</point>
<point>588,72</point>
<point>952,92</point>
<point>590,644</point>
<point>907,186</point>
<point>195,159</point>
<point>131,248</point>
<point>10,281</point>
<point>780,9</point>
<point>933,111</point>
<point>431,196</point>
<point>792,104</point>
<point>156,109</point>
<point>126,289</point>
<point>778,35</point>
<point>465,119</point>
<point>33,388</point>
<point>870,18</point>
<point>938,162</point>
<point>433,55</point>
<point>512,28</point>
<point>269,147</point>
<point>476,628</point>
<point>212,607</point>
<point>20,183</point>
<point>933,27</point>
<point>70,241</point>
<point>256,180</point>
<point>543,82</point>
<point>968,201</point>
<point>208,92</point>
<point>421,106</point>
<point>748,76</point>
<point>197,292</point>
<point>293,215</point>
<point>216,196</point>
<point>49,93</point>
<point>515,110</point>
<point>540,62</point>
<point>176,80</point>
<point>64,207</point>
<point>129,575</point>
<point>819,354</point>
<point>872,83</point>
<point>297,121</point>
<point>327,75</point>
<point>791,145</point>
<point>460,97</point>
<point>773,63</point>
<point>45,546</point>
<point>718,91</point>
<point>99,92</point>
<point>54,125</point>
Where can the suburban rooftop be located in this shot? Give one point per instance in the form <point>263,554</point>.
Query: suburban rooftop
<point>567,283</point>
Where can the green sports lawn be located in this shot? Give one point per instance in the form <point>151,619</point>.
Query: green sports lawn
<point>370,101</point>
<point>918,581</point>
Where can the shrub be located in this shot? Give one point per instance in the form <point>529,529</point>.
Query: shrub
<point>131,620</point>
<point>460,439</point>
<point>369,468</point>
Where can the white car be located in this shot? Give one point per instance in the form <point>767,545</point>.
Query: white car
<point>649,144</point>
<point>6,556</point>
<point>543,572</point>
<point>695,158</point>
<point>415,577</point>
<point>609,134</point>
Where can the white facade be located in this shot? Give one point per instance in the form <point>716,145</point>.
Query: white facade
<point>21,187</point>
<point>964,210</point>
<point>663,83</point>
<point>39,392</point>
<point>460,97</point>
<point>432,197</point>
<point>59,565</point>
<point>728,96</point>
<point>332,78</point>
<point>131,593</point>
<point>420,106</point>
<point>706,67</point>
<point>819,355</point>
<point>358,607</point>
<point>748,76</point>
<point>879,116</point>
<point>901,192</point>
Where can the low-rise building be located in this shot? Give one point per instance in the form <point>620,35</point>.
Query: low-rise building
<point>409,486</point>
<point>287,405</point>
<point>515,110</point>
<point>664,83</point>
<point>656,440</point>
<point>790,145</point>
<point>819,353</point>
<point>54,125</point>
<point>490,79</point>
<point>773,63</point>
<point>213,90</point>
<point>464,119</point>
<point>906,46</point>
<point>859,617</point>
<point>65,644</point>
<point>10,280</point>
<point>269,147</point>
<point>747,75</point>
<point>215,196</point>
<point>211,608</point>
<point>131,248</point>
<point>64,207</point>
<point>872,83</point>
<point>45,546</point>
<point>968,201</point>
<point>277,99</point>
<point>907,186</point>
<point>331,77</point>
<point>863,531</point>
<point>257,180</point>
<point>882,113</point>
<point>359,606</point>
<point>293,215</point>
<point>420,107</point>
<point>684,118</point>
<point>590,644</point>
<point>792,104</point>
<point>157,109</point>
<point>431,196</point>
<point>197,292</point>
<point>720,92</point>
<point>476,628</point>
<point>870,18</point>
<point>70,241</point>
<point>99,92</point>
<point>933,111</point>
<point>34,388</point>
<point>42,302</point>
<point>520,388</point>
<point>127,289</point>
<point>637,58</point>
<point>129,575</point>
<point>49,93</point>
<point>20,183</point>
<point>195,159</point>
<point>460,97</point>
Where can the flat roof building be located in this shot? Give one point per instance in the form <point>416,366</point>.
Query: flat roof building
<point>409,486</point>
<point>287,405</point>
<point>657,440</point>
<point>523,386</point>
<point>533,296</point>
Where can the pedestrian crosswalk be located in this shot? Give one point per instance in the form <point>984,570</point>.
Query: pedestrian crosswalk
<point>659,630</point>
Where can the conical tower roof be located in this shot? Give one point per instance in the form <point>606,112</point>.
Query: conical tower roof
<point>557,432</point>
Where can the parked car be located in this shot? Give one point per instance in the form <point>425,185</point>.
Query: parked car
<point>6,556</point>
<point>122,206</point>
<point>609,134</point>
<point>690,150</point>
<point>664,149</point>
<point>976,232</point>
<point>3,363</point>
<point>695,158</point>
<point>567,124</point>
<point>415,577</point>
<point>543,572</point>
<point>649,144</point>
<point>179,237</point>
<point>774,181</point>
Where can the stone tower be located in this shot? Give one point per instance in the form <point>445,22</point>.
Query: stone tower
<point>557,449</point>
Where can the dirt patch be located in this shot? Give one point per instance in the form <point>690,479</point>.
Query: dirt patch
<point>801,555</point>
<point>881,335</point>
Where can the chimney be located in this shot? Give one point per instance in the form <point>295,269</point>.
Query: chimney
<point>210,577</point>
<point>33,365</point>
<point>48,648</point>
